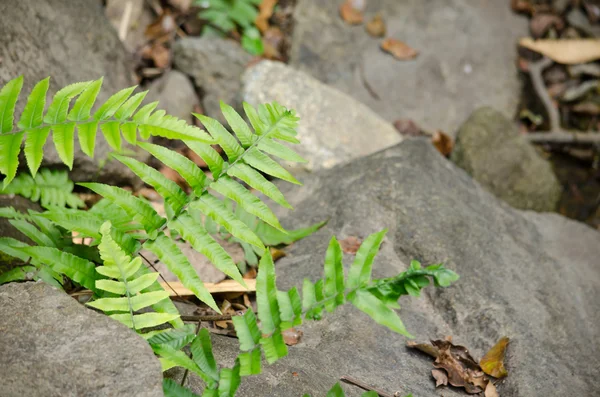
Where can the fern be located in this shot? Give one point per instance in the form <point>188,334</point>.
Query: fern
<point>115,117</point>
<point>50,188</point>
<point>280,310</point>
<point>228,15</point>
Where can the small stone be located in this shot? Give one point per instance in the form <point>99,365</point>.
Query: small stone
<point>489,147</point>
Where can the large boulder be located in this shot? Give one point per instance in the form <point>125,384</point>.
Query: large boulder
<point>215,65</point>
<point>532,277</point>
<point>53,346</point>
<point>491,149</point>
<point>70,41</point>
<point>466,57</point>
<point>333,128</point>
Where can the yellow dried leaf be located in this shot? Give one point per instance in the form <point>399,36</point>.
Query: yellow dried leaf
<point>376,26</point>
<point>350,14</point>
<point>493,361</point>
<point>398,49</point>
<point>568,52</point>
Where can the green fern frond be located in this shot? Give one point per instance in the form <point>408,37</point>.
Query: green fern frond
<point>52,188</point>
<point>125,278</point>
<point>116,117</point>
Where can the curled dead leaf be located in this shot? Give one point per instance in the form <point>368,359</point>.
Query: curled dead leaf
<point>442,142</point>
<point>158,53</point>
<point>265,12</point>
<point>541,23</point>
<point>424,347</point>
<point>398,49</point>
<point>493,361</point>
<point>440,376</point>
<point>568,52</point>
<point>351,13</point>
<point>407,127</point>
<point>276,253</point>
<point>292,336</point>
<point>376,26</point>
<point>490,390</point>
<point>350,244</point>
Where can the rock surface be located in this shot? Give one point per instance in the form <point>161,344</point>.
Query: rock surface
<point>215,65</point>
<point>466,57</point>
<point>532,277</point>
<point>70,41</point>
<point>489,147</point>
<point>52,346</point>
<point>333,128</point>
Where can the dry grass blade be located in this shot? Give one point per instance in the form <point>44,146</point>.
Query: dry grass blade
<point>569,52</point>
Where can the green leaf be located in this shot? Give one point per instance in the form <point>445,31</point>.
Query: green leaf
<point>237,124</point>
<point>34,108</point>
<point>252,42</point>
<point>185,167</point>
<point>336,391</point>
<point>135,207</point>
<point>274,346</point>
<point>135,302</point>
<point>144,320</point>
<point>112,134</point>
<point>266,295</point>
<point>255,179</point>
<point>277,149</point>
<point>334,275</point>
<point>63,134</point>
<point>34,146</point>
<point>143,114</point>
<point>202,354</point>
<point>250,362</point>
<point>12,247</point>
<point>130,106</point>
<point>194,233</point>
<point>129,131</point>
<point>87,137</point>
<point>252,204</point>
<point>247,330</point>
<point>10,146</point>
<point>32,232</point>
<point>174,389</point>
<point>378,311</point>
<point>264,163</point>
<point>112,104</point>
<point>8,99</point>
<point>57,111</point>
<point>230,145</point>
<point>210,156</point>
<point>77,269</point>
<point>230,380</point>
<point>169,253</point>
<point>83,105</point>
<point>178,357</point>
<point>273,237</point>
<point>215,209</point>
<point>16,274</point>
<point>360,271</point>
<point>168,189</point>
<point>176,338</point>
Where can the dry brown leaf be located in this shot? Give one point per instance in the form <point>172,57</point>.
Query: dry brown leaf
<point>350,13</point>
<point>265,11</point>
<point>440,376</point>
<point>442,142</point>
<point>273,39</point>
<point>376,26</point>
<point>162,28</point>
<point>398,49</point>
<point>276,253</point>
<point>569,52</point>
<point>407,127</point>
<point>462,369</point>
<point>350,244</point>
<point>541,23</point>
<point>490,390</point>
<point>493,361</point>
<point>424,347</point>
<point>158,53</point>
<point>292,336</point>
<point>251,273</point>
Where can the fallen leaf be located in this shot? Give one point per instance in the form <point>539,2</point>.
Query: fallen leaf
<point>276,253</point>
<point>490,390</point>
<point>586,108</point>
<point>541,23</point>
<point>158,53</point>
<point>424,347</point>
<point>398,49</point>
<point>442,142</point>
<point>407,127</point>
<point>273,39</point>
<point>292,336</point>
<point>462,369</point>
<point>350,244</point>
<point>440,376</point>
<point>522,6</point>
<point>350,13</point>
<point>376,26</point>
<point>568,52</point>
<point>265,11</point>
<point>162,28</point>
<point>251,273</point>
<point>493,361</point>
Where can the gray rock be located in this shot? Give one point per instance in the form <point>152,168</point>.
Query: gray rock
<point>489,147</point>
<point>176,95</point>
<point>215,65</point>
<point>53,346</point>
<point>532,277</point>
<point>333,128</point>
<point>466,57</point>
<point>70,41</point>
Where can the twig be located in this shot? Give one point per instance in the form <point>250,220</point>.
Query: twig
<point>124,25</point>
<point>209,317</point>
<point>556,135</point>
<point>363,78</point>
<point>364,386</point>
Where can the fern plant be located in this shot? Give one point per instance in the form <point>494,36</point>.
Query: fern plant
<point>228,15</point>
<point>52,188</point>
<point>121,225</point>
